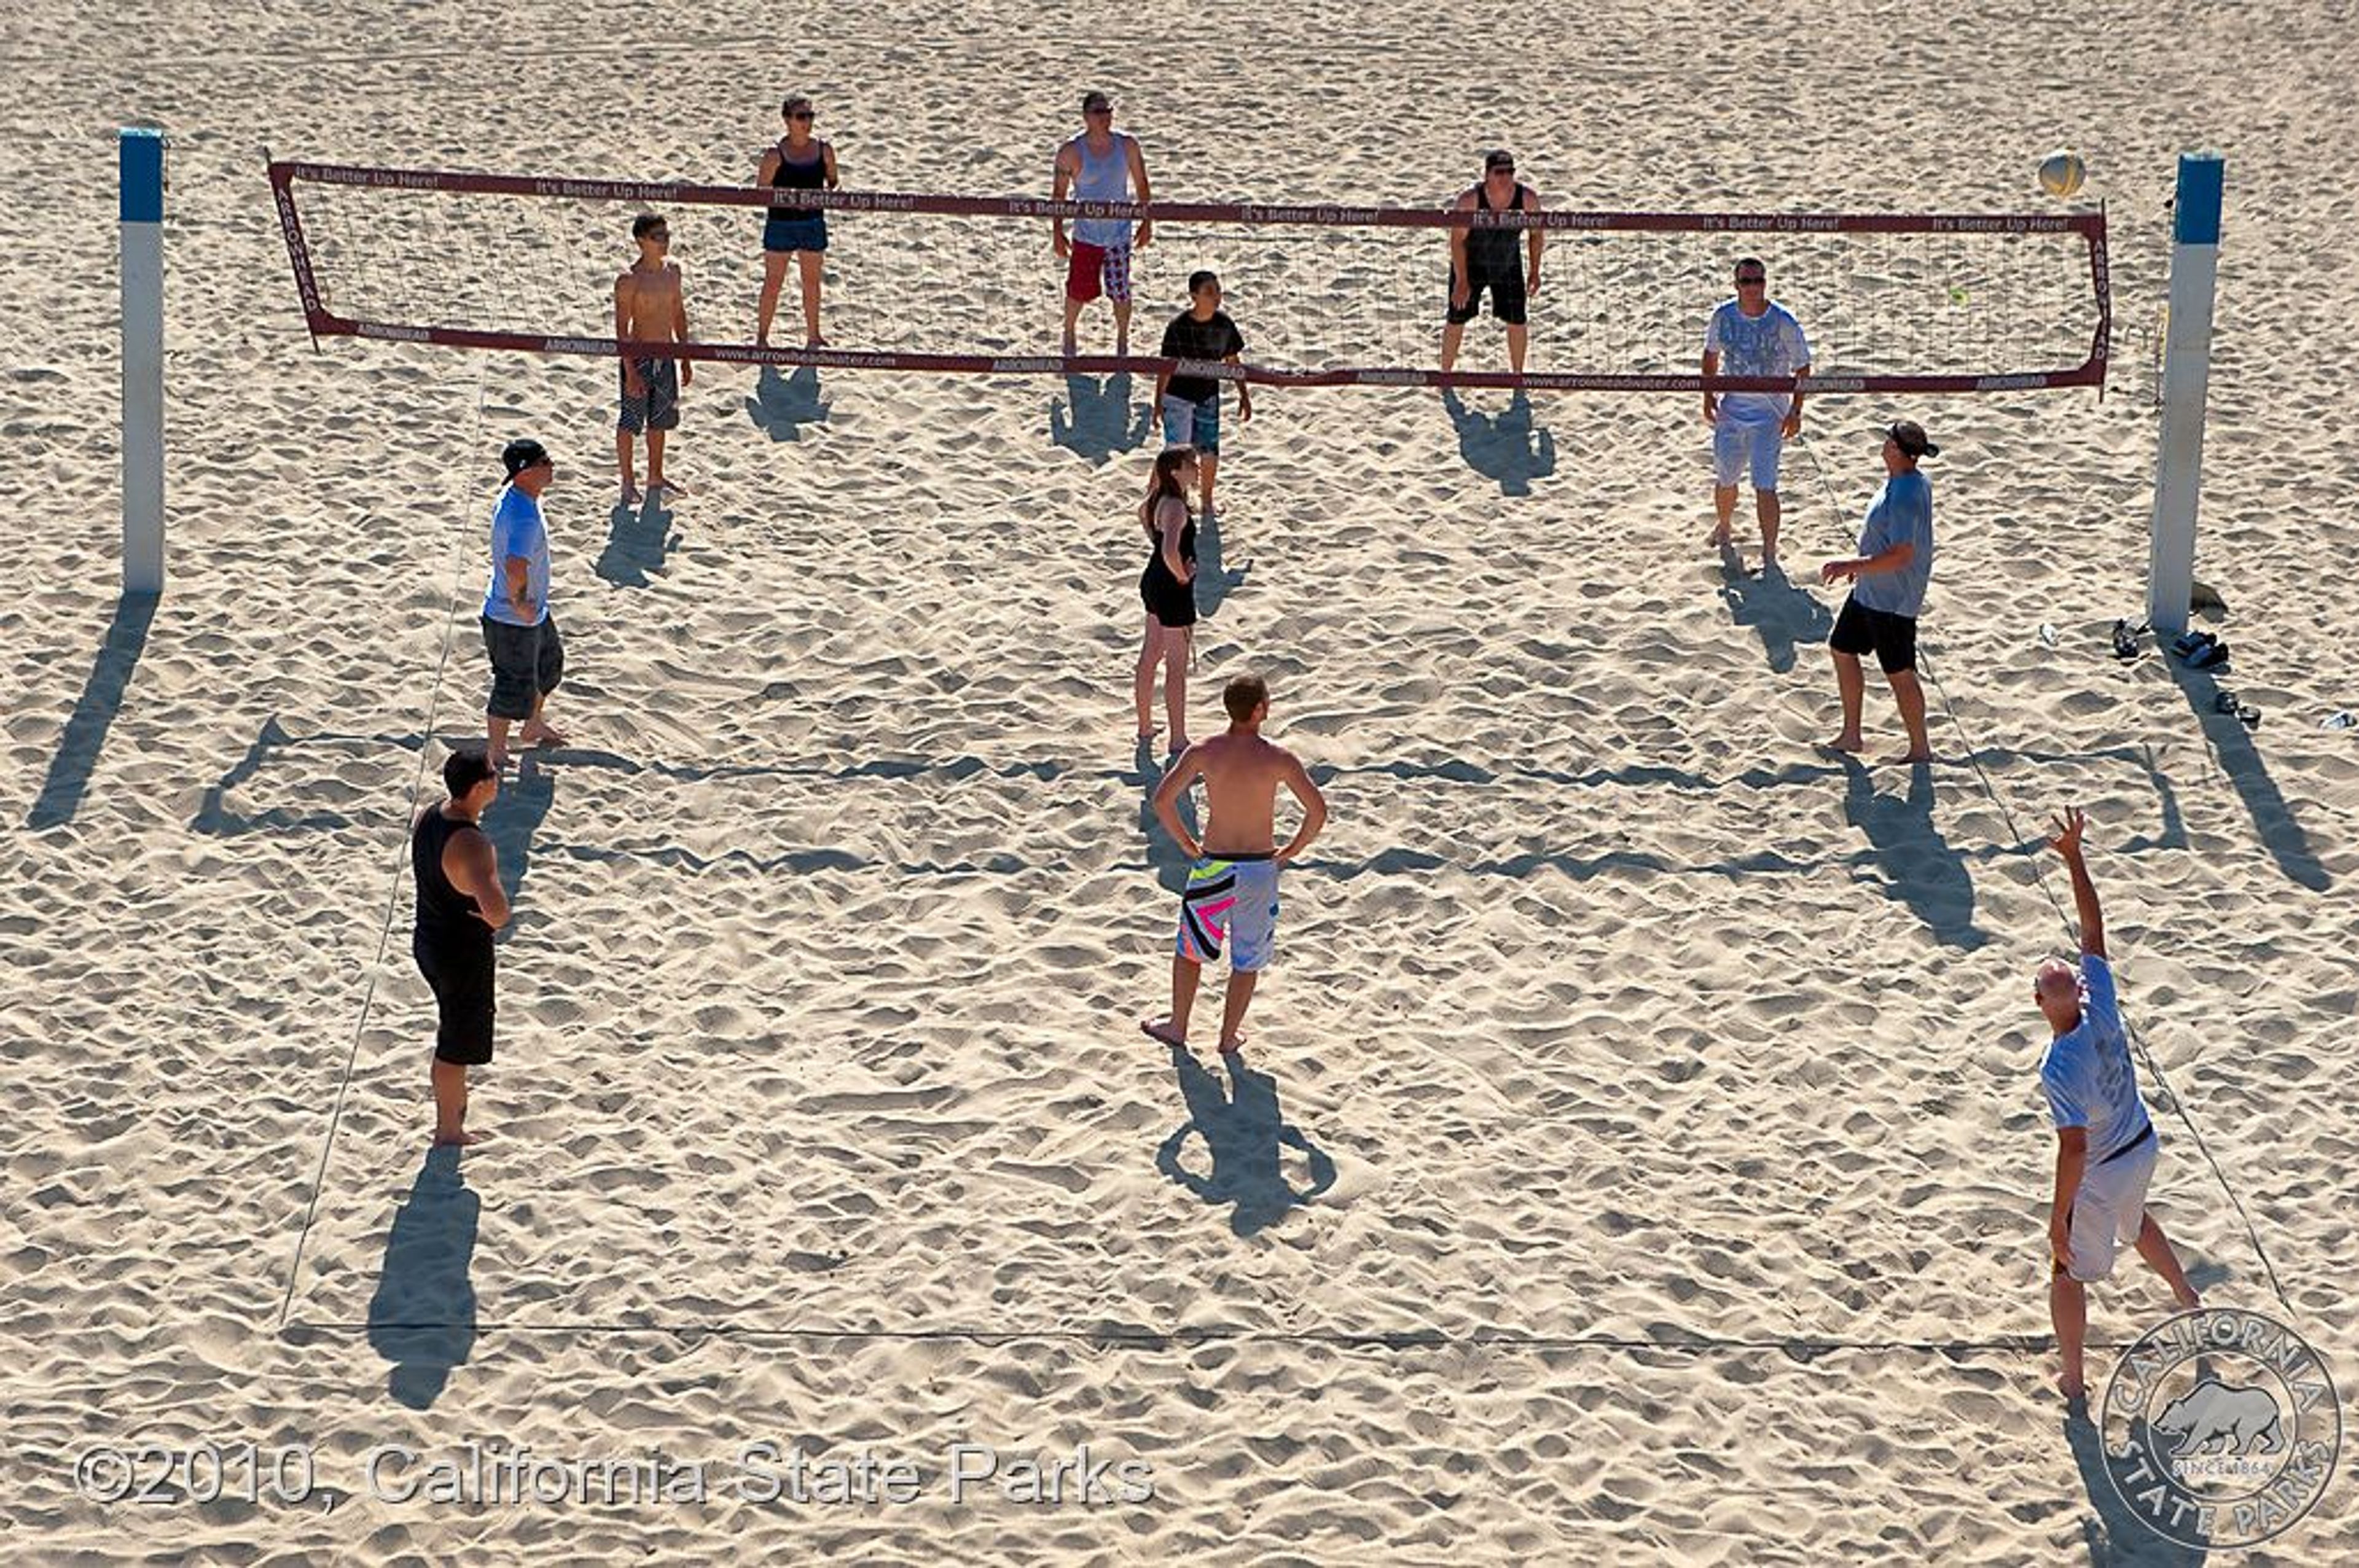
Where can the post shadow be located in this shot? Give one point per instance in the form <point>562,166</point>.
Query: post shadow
<point>95,711</point>
<point>1245,1133</point>
<point>782,405</point>
<point>1783,614</point>
<point>2240,760</point>
<point>2116,1536</point>
<point>1094,418</point>
<point>517,815</point>
<point>1163,852</point>
<point>1921,868</point>
<point>638,541</point>
<point>422,1317</point>
<point>1504,446</point>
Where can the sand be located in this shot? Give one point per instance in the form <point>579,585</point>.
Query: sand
<point>1638,1158</point>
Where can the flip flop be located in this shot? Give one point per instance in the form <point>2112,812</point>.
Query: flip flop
<point>2190,643</point>
<point>2212,655</point>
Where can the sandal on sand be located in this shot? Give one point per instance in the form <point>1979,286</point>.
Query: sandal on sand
<point>2212,655</point>
<point>2125,638</point>
<point>2225,702</point>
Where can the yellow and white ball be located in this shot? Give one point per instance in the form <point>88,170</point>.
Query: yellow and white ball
<point>2061,173</point>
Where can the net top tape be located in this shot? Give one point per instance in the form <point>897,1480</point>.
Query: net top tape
<point>2088,224</point>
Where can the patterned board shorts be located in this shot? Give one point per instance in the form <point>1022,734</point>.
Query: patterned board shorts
<point>1230,902</point>
<point>1099,269</point>
<point>657,406</point>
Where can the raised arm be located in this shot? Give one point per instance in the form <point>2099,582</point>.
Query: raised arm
<point>2065,839</point>
<point>1314,807</point>
<point>473,868</point>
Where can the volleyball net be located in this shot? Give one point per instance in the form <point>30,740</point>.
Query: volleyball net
<point>1325,294</point>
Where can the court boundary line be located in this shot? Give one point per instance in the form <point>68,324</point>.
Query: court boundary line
<point>392,893</point>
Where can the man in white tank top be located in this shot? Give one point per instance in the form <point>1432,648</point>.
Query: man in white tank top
<point>1100,165</point>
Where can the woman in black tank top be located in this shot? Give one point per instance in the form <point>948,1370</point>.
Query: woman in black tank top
<point>1169,594</point>
<point>799,161</point>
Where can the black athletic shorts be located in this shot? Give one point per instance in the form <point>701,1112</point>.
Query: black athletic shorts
<point>1892,638</point>
<point>461,977</point>
<point>527,664</point>
<point>1507,298</point>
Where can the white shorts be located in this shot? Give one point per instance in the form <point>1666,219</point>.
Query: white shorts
<point>1738,441</point>
<point>2110,1209</point>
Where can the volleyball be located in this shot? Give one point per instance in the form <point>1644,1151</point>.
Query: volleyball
<point>2061,173</point>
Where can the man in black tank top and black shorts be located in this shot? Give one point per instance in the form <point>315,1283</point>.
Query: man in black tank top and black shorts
<point>459,904</point>
<point>1485,258</point>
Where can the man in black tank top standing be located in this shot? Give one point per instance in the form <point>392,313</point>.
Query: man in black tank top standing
<point>1485,258</point>
<point>459,904</point>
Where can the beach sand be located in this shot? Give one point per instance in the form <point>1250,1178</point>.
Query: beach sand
<point>1638,1158</point>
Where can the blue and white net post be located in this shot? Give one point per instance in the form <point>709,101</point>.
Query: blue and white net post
<point>142,173</point>
<point>2185,373</point>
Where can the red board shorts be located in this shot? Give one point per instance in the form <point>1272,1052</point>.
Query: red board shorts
<point>1099,269</point>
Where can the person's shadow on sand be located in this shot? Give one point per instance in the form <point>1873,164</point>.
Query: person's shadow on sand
<point>1163,852</point>
<point>1783,614</point>
<point>1215,580</point>
<point>1095,418</point>
<point>782,405</point>
<point>1246,1134</point>
<point>1919,867</point>
<point>422,1317</point>
<point>638,540</point>
<point>517,815</point>
<point>1503,445</point>
<point>2116,1537</point>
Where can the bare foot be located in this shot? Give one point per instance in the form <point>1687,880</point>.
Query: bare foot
<point>1160,1029</point>
<point>498,757</point>
<point>1848,743</point>
<point>1900,759</point>
<point>460,1140</point>
<point>537,733</point>
<point>1233,1044</point>
<point>631,496</point>
<point>663,488</point>
<point>815,342</point>
<point>1179,744</point>
<point>2190,1301</point>
<point>1721,539</point>
<point>2073,1387</point>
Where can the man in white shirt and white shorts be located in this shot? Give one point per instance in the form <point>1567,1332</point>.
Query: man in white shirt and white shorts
<point>1750,335</point>
<point>2105,1142</point>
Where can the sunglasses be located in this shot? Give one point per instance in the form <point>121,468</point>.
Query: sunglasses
<point>658,233</point>
<point>1502,168</point>
<point>1101,108</point>
<point>801,115</point>
<point>1751,280</point>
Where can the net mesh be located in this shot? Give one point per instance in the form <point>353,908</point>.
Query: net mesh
<point>1312,298</point>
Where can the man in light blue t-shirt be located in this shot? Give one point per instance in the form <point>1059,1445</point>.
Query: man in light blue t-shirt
<point>2105,1143</point>
<point>1752,335</point>
<point>528,656</point>
<point>1888,577</point>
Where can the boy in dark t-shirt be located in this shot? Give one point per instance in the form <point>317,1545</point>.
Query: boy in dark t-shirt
<point>1190,405</point>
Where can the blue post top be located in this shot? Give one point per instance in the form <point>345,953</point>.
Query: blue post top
<point>2195,216</point>
<point>143,174</point>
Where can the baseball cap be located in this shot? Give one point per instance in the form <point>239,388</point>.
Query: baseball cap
<point>1498,157</point>
<point>1095,100</point>
<point>1911,437</point>
<point>521,454</point>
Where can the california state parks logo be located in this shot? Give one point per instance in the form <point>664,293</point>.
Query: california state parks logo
<point>2220,1428</point>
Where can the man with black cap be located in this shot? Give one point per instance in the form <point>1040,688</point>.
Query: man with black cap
<point>460,902</point>
<point>1485,258</point>
<point>1888,577</point>
<point>528,656</point>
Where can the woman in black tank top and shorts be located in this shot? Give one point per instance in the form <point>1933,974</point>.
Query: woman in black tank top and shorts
<point>1167,589</point>
<point>799,162</point>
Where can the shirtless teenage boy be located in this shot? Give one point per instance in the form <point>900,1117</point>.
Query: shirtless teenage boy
<point>1232,893</point>
<point>649,306</point>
